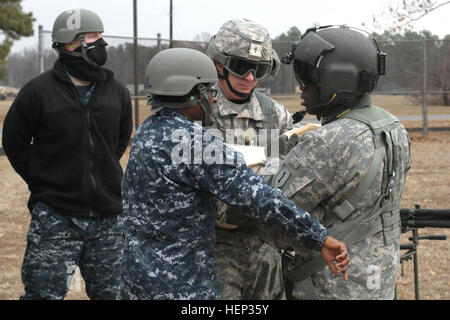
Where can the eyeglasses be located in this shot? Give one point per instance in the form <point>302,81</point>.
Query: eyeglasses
<point>241,67</point>
<point>305,73</point>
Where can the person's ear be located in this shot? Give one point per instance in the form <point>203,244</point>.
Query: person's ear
<point>70,46</point>
<point>219,67</point>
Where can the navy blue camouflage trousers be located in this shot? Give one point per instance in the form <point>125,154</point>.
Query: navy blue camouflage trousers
<point>57,244</point>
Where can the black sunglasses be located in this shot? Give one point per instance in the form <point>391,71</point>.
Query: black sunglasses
<point>241,67</point>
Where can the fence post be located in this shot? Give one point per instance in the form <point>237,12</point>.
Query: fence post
<point>425,107</point>
<point>171,25</point>
<point>159,41</point>
<point>135,62</point>
<point>41,48</point>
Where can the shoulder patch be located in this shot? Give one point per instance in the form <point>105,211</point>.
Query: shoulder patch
<point>298,184</point>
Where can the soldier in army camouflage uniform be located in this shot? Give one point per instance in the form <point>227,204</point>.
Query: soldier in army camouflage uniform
<point>64,134</point>
<point>171,186</point>
<point>243,55</point>
<point>350,172</point>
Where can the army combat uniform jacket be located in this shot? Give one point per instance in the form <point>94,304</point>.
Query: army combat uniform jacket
<point>170,191</point>
<point>259,112</point>
<point>255,271</point>
<point>322,172</point>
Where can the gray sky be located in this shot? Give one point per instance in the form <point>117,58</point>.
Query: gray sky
<point>192,17</point>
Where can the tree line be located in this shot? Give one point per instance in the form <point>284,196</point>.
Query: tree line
<point>404,66</point>
<point>406,60</point>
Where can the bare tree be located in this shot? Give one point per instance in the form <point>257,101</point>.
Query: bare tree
<point>402,15</point>
<point>202,37</point>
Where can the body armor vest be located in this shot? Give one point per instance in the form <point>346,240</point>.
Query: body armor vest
<point>269,121</point>
<point>385,214</point>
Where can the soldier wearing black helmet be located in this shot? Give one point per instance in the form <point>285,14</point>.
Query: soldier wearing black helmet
<point>64,135</point>
<point>350,172</point>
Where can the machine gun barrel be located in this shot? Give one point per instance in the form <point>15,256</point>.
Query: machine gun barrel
<point>412,220</point>
<point>424,218</point>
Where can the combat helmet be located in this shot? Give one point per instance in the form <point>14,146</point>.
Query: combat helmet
<point>177,72</point>
<point>243,46</point>
<point>72,23</point>
<point>343,63</point>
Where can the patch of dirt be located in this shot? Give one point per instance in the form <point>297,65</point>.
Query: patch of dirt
<point>427,184</point>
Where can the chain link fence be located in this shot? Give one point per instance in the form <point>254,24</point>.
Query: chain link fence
<point>419,69</point>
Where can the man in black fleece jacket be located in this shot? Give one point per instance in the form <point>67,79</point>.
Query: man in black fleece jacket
<point>64,135</point>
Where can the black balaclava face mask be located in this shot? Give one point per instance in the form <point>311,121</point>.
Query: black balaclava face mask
<point>80,68</point>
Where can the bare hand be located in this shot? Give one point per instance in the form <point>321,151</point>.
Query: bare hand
<point>335,254</point>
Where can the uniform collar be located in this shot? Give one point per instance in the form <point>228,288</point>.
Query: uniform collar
<point>249,110</point>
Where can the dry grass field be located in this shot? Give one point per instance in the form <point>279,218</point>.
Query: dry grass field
<point>428,184</point>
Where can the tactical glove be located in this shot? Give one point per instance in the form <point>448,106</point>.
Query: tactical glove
<point>285,145</point>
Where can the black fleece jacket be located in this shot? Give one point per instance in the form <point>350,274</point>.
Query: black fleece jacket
<point>67,153</point>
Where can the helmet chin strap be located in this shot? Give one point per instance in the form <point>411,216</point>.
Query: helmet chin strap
<point>203,102</point>
<point>331,108</point>
<point>225,77</point>
<point>205,105</point>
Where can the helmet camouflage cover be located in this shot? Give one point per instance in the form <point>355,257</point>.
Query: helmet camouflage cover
<point>245,39</point>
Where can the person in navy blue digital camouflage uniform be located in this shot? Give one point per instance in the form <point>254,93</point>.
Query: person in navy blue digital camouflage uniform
<point>175,174</point>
